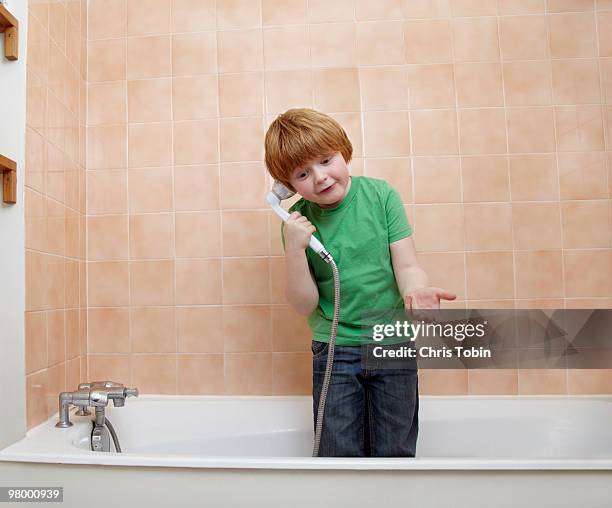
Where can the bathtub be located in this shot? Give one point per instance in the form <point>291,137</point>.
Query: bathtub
<point>476,451</point>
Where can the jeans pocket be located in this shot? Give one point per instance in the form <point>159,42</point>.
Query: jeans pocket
<point>318,348</point>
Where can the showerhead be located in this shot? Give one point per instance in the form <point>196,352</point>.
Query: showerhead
<point>281,191</point>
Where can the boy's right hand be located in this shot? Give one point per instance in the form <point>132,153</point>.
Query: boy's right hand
<point>297,232</point>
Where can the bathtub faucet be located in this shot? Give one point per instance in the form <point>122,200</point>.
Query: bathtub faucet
<point>96,394</point>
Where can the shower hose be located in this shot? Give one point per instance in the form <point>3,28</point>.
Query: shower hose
<point>330,357</point>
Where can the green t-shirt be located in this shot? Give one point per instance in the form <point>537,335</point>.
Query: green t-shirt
<point>357,233</point>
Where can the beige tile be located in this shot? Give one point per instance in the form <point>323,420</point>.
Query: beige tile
<point>106,147</point>
<point>604,23</point>
<point>589,381</point>
<point>150,144</point>
<point>582,175</point>
<point>572,35</point>
<point>290,331</point>
<point>149,100</point>
<point>115,367</point>
<point>106,192</point>
<point>542,381</point>
<point>241,139</point>
<point>333,45</point>
<point>238,13</point>
<point>492,382</point>
<point>194,97</point>
<point>200,329</point>
<point>239,50</point>
<point>524,37</point>
<point>36,399</point>
<point>283,12</point>
<point>286,47</point>
<point>488,226</point>
<point>536,226</point>
<point>150,190</point>
<point>35,341</point>
<point>530,130</point>
<point>198,281</point>
<point>193,15</point>
<point>56,337</point>
<point>106,19</point>
<point>431,86</point>
<point>196,187</point>
<point>428,41</point>
<point>148,57</point>
<point>586,224</point>
<point>533,177</point>
<point>445,270</point>
<point>292,373</point>
<point>196,142</point>
<point>336,89</point>
<point>380,43</point>
<point>434,132</point>
<point>154,373</point>
<point>387,134</point>
<point>320,11</point>
<point>108,330</point>
<point>106,60</point>
<point>206,243</point>
<point>475,39</point>
<point>485,178</point>
<point>246,280</point>
<point>396,171</point>
<point>235,194</point>
<point>576,81</point>
<point>56,383</point>
<point>241,94</point>
<point>200,374</point>
<point>194,54</point>
<point>145,17</point>
<point>386,9</point>
<point>594,282</point>
<point>152,282</point>
<point>107,283</point>
<point>489,275</point>
<point>107,237</point>
<point>482,131</point>
<point>569,5</point>
<point>510,7</point>
<point>438,227</point>
<point>287,89</point>
<point>247,329</point>
<point>527,83</point>
<point>479,84</point>
<point>436,180</point>
<point>384,88</point>
<point>539,274</point>
<point>248,373</point>
<point>443,382</point>
<point>153,330</point>
<point>579,128</point>
<point>152,236</point>
<point>106,103</point>
<point>245,233</point>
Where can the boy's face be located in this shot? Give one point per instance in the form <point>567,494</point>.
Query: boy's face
<point>324,180</point>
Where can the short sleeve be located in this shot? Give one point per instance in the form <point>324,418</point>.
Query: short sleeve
<point>398,226</point>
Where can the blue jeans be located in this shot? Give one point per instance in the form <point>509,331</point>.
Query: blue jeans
<point>368,412</point>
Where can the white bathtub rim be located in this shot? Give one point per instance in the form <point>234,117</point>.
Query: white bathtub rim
<point>360,463</point>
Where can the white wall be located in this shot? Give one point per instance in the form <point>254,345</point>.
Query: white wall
<point>12,238</point>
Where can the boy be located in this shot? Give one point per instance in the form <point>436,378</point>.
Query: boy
<point>362,223</point>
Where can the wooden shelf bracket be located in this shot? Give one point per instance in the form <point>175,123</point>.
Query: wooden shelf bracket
<point>10,27</point>
<point>9,180</point>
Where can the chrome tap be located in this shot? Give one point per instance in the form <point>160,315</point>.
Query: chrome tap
<point>96,394</point>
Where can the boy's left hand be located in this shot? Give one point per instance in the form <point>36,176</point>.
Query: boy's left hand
<point>425,298</point>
